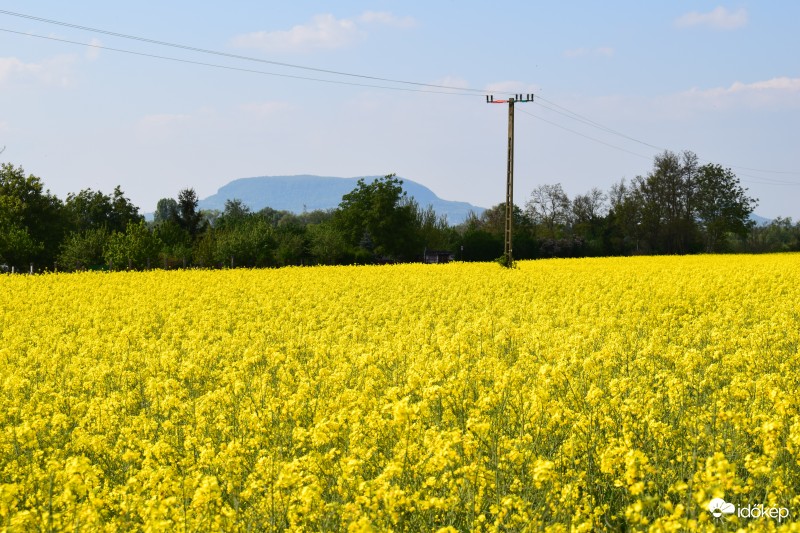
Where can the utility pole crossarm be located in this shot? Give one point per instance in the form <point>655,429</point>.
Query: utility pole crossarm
<point>508,258</point>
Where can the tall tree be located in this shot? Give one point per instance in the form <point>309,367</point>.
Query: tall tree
<point>722,206</point>
<point>624,219</point>
<point>326,243</point>
<point>33,216</point>
<point>668,199</point>
<point>189,216</point>
<point>379,211</point>
<point>235,213</point>
<point>548,207</point>
<point>166,210</point>
<point>16,244</point>
<point>587,212</point>
<point>249,243</point>
<point>137,248</point>
<point>83,249</point>
<point>90,209</point>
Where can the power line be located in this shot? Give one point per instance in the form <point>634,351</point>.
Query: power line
<point>585,120</point>
<point>580,118</point>
<point>585,136</point>
<point>236,56</point>
<point>753,179</point>
<point>442,89</point>
<point>239,69</point>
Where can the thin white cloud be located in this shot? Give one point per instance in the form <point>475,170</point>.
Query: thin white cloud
<point>719,18</point>
<point>11,67</point>
<point>388,19</point>
<point>56,70</point>
<point>93,52</point>
<point>324,31</point>
<point>602,51</point>
<point>775,93</point>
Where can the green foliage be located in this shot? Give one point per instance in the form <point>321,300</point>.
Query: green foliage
<point>235,212</point>
<point>379,210</point>
<point>549,208</point>
<point>722,206</point>
<point>137,248</point>
<point>93,210</point>
<point>189,217</point>
<point>326,243</point>
<point>780,235</point>
<point>176,244</point>
<point>16,244</point>
<point>251,242</point>
<point>433,231</point>
<point>668,202</point>
<point>166,210</point>
<point>31,218</point>
<point>83,249</point>
<point>480,245</point>
<point>679,207</point>
<point>505,261</point>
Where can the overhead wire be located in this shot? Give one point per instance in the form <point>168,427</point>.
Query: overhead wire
<point>752,179</point>
<point>239,69</point>
<point>423,87</point>
<point>581,118</point>
<point>584,135</point>
<point>235,56</point>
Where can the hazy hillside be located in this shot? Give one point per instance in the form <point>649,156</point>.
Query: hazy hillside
<point>760,221</point>
<point>298,193</point>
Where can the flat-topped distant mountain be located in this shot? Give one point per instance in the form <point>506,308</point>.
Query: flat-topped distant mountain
<point>307,193</point>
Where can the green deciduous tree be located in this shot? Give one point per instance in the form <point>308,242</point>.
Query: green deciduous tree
<point>166,210</point>
<point>189,217</point>
<point>249,243</point>
<point>16,244</point>
<point>549,208</point>
<point>176,244</point>
<point>83,249</point>
<point>90,209</point>
<point>32,218</point>
<point>668,200</point>
<point>722,206</point>
<point>380,211</point>
<point>137,248</point>
<point>326,243</point>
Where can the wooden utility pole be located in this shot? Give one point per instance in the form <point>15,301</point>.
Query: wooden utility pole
<point>508,257</point>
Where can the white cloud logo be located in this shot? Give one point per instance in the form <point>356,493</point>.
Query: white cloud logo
<point>719,507</point>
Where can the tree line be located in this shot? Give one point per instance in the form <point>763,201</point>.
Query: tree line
<point>679,207</point>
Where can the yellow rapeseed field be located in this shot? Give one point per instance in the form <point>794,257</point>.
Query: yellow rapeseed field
<point>563,395</point>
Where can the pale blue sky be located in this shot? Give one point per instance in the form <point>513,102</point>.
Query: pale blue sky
<point>720,79</point>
